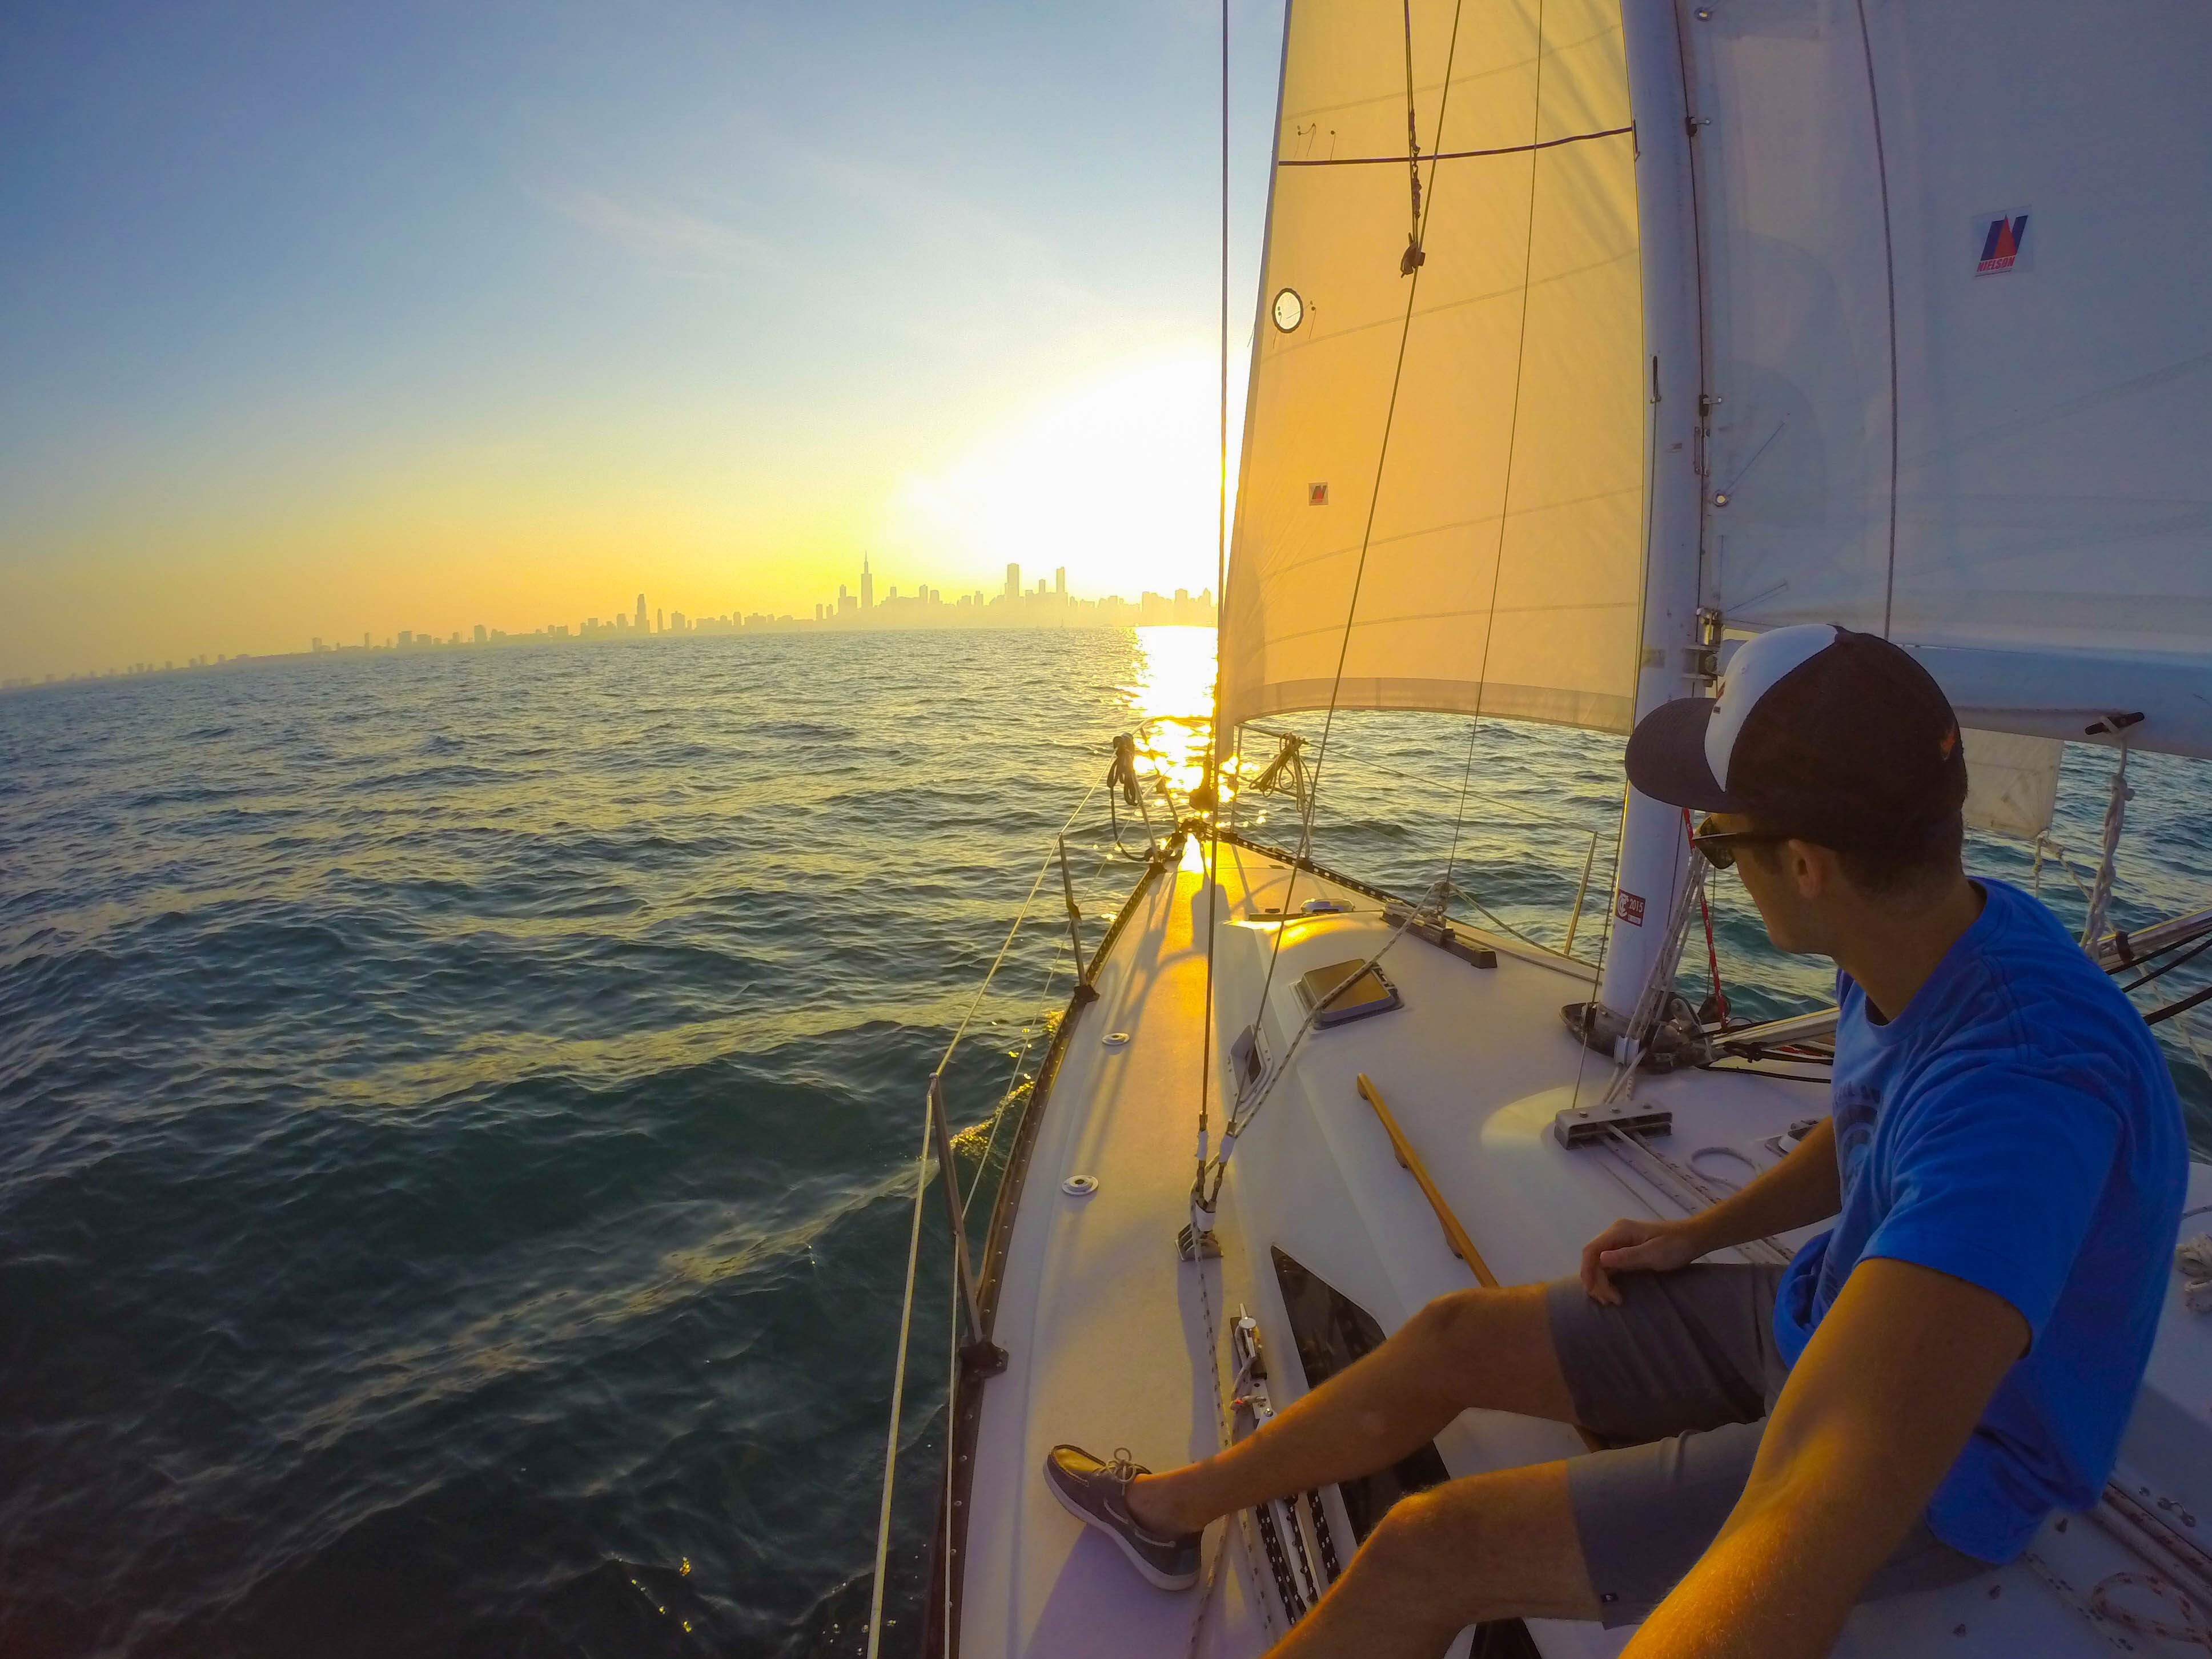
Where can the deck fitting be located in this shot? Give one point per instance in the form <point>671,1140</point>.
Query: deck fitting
<point>982,1359</point>
<point>1580,1126</point>
<point>1190,1247</point>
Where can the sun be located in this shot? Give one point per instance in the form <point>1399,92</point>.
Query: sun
<point>1116,478</point>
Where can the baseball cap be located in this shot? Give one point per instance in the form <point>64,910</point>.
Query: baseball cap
<point>1836,738</point>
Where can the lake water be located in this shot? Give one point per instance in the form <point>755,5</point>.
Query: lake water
<point>459,1107</point>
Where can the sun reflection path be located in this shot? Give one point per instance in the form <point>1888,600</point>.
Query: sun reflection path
<point>1174,694</point>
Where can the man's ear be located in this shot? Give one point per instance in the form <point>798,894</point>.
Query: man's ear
<point>1812,870</point>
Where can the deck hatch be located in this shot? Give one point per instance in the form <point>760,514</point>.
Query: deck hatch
<point>1345,991</point>
<point>1331,1331</point>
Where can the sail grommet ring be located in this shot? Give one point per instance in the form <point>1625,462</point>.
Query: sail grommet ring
<point>1115,1039</point>
<point>1079,1186</point>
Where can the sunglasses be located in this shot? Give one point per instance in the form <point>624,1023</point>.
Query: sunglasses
<point>1717,845</point>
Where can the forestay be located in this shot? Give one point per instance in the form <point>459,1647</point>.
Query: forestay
<point>1503,564</point>
<point>1955,323</point>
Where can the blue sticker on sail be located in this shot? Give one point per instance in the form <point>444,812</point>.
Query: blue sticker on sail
<point>2003,238</point>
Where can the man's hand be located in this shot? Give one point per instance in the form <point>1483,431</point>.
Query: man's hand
<point>1631,1247</point>
<point>1802,1189</point>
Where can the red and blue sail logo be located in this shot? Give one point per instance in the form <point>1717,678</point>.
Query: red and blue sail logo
<point>2001,236</point>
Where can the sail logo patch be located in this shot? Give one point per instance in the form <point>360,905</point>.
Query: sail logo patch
<point>2002,240</point>
<point>1317,495</point>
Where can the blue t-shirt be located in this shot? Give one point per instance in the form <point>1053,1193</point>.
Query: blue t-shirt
<point>2016,1127</point>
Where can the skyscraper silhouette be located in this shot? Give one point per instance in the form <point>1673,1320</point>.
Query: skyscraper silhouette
<point>641,626</point>
<point>868,586</point>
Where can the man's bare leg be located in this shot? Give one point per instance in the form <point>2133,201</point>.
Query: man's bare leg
<point>1472,1348</point>
<point>1497,1546</point>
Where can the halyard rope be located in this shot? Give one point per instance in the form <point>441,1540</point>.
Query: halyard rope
<point>2116,813</point>
<point>1512,419</point>
<point>1305,828</point>
<point>1360,569</point>
<point>1213,869</point>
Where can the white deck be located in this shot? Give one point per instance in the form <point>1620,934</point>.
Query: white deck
<point>1105,1330</point>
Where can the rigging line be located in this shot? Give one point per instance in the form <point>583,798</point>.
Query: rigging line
<point>1006,945</point>
<point>1459,819</point>
<point>1507,927</point>
<point>1359,571</point>
<point>1512,433</point>
<point>1751,1068</point>
<point>1212,862</point>
<point>1604,944</point>
<point>1712,950</point>
<point>1413,148</point>
<point>898,1396</point>
<point>1241,1115</point>
<point>1511,809</point>
<point>1459,155</point>
<point>1005,1100</point>
<point>1643,608</point>
<point>2198,949</point>
<point>2195,999</point>
<point>1889,286</point>
<point>999,1113</point>
<point>975,1002</point>
<point>952,1445</point>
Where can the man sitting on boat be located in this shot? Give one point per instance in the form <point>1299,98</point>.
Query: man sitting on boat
<point>1902,1405</point>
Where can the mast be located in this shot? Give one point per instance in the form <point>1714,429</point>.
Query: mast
<point>1652,850</point>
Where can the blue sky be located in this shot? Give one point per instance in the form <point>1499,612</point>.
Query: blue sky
<point>321,320</point>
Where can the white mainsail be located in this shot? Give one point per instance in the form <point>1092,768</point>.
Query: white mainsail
<point>1955,326</point>
<point>1953,341</point>
<point>1502,566</point>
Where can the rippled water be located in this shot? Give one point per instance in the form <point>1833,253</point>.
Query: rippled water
<point>458,1106</point>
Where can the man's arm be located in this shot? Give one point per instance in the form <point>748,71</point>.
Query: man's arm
<point>1803,1189</point>
<point>1873,1417</point>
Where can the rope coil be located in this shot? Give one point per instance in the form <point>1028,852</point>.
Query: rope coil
<point>2192,1629</point>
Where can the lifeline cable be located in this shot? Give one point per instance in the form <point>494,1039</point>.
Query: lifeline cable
<point>2165,967</point>
<point>2193,1000</point>
<point>898,1395</point>
<point>914,1254</point>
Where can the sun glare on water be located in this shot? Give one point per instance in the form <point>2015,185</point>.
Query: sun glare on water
<point>1172,694</point>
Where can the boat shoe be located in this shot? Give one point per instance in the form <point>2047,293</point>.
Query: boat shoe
<point>1097,1493</point>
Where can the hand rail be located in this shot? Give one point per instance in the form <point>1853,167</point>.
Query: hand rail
<point>1455,1235</point>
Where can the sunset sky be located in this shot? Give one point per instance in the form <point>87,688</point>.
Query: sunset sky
<point>320,319</point>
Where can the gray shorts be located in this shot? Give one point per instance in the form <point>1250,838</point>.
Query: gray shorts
<point>1687,1366</point>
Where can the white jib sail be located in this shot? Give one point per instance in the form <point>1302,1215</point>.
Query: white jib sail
<point>1954,266</point>
<point>1496,542</point>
